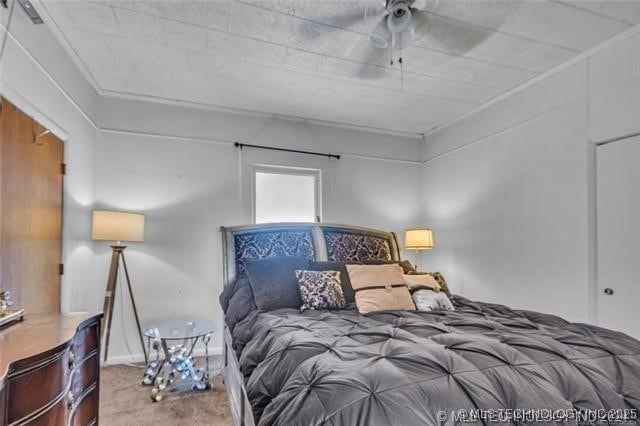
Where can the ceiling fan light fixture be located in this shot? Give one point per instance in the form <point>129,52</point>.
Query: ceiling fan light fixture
<point>399,18</point>
<point>403,39</point>
<point>381,36</point>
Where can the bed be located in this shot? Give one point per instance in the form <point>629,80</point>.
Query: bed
<point>483,362</point>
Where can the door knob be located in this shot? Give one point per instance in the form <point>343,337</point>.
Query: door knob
<point>608,291</point>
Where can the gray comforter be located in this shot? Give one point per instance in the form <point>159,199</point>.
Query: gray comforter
<point>413,368</point>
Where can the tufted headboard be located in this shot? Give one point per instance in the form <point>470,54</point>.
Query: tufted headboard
<point>317,241</point>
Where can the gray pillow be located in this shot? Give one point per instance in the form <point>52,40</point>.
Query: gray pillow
<point>230,290</point>
<point>240,305</point>
<point>429,300</point>
<point>273,282</point>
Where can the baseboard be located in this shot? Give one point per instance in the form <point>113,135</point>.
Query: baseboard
<point>139,357</point>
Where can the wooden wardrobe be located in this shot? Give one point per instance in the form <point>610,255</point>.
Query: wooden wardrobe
<point>31,173</point>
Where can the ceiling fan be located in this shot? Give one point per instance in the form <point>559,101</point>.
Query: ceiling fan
<point>400,23</point>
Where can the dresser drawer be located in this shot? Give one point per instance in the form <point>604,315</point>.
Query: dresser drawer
<point>3,404</point>
<point>40,384</point>
<point>85,374</point>
<point>57,414</point>
<point>85,411</point>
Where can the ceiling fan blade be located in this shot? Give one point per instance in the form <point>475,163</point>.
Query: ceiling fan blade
<point>344,19</point>
<point>437,32</point>
<point>420,22</point>
<point>375,9</point>
<point>380,37</point>
<point>372,64</point>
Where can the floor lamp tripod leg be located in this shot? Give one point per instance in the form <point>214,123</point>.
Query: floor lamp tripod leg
<point>135,312</point>
<point>109,298</point>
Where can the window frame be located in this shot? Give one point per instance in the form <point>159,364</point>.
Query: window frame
<point>288,170</point>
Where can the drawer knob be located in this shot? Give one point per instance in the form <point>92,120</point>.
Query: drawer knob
<point>608,291</point>
<point>72,360</point>
<point>71,399</point>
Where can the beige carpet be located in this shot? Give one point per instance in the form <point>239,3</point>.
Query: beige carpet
<point>124,401</point>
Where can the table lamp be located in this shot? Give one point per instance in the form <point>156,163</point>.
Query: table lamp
<point>418,239</point>
<point>117,227</point>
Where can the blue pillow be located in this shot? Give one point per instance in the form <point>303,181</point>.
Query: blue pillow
<point>273,281</point>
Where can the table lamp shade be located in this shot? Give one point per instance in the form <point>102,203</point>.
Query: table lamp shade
<point>117,226</point>
<point>418,239</point>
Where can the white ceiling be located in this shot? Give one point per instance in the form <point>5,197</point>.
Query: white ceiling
<point>312,59</point>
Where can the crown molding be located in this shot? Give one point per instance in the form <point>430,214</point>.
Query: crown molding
<point>230,143</point>
<point>257,113</point>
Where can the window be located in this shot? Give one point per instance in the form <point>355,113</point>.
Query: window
<point>286,195</point>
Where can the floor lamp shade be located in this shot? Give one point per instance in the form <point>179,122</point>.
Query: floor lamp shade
<point>117,226</point>
<point>418,239</point>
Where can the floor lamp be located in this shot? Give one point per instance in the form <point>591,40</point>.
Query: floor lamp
<point>118,227</point>
<point>418,239</point>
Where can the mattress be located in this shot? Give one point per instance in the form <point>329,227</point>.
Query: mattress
<point>482,362</point>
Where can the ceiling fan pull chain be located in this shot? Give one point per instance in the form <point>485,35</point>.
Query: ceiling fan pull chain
<point>401,74</point>
<point>391,52</point>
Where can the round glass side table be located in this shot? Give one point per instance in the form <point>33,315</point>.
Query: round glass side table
<point>174,341</point>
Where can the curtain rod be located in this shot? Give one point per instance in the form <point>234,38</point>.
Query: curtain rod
<point>296,151</point>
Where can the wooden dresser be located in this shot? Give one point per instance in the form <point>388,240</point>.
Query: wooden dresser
<point>50,370</point>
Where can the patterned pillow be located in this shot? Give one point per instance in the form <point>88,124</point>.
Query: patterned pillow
<point>320,290</point>
<point>345,283</point>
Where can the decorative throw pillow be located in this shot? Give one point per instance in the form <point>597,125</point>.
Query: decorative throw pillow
<point>273,281</point>
<point>425,281</point>
<point>320,290</point>
<point>379,288</point>
<point>345,283</point>
<point>428,300</point>
<point>232,288</point>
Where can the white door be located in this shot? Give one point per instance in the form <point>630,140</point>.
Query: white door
<point>618,235</point>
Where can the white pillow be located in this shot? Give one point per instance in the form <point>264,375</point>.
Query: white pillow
<point>422,280</point>
<point>427,300</point>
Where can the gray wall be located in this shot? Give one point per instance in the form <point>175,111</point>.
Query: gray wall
<point>510,191</point>
<point>179,167</point>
